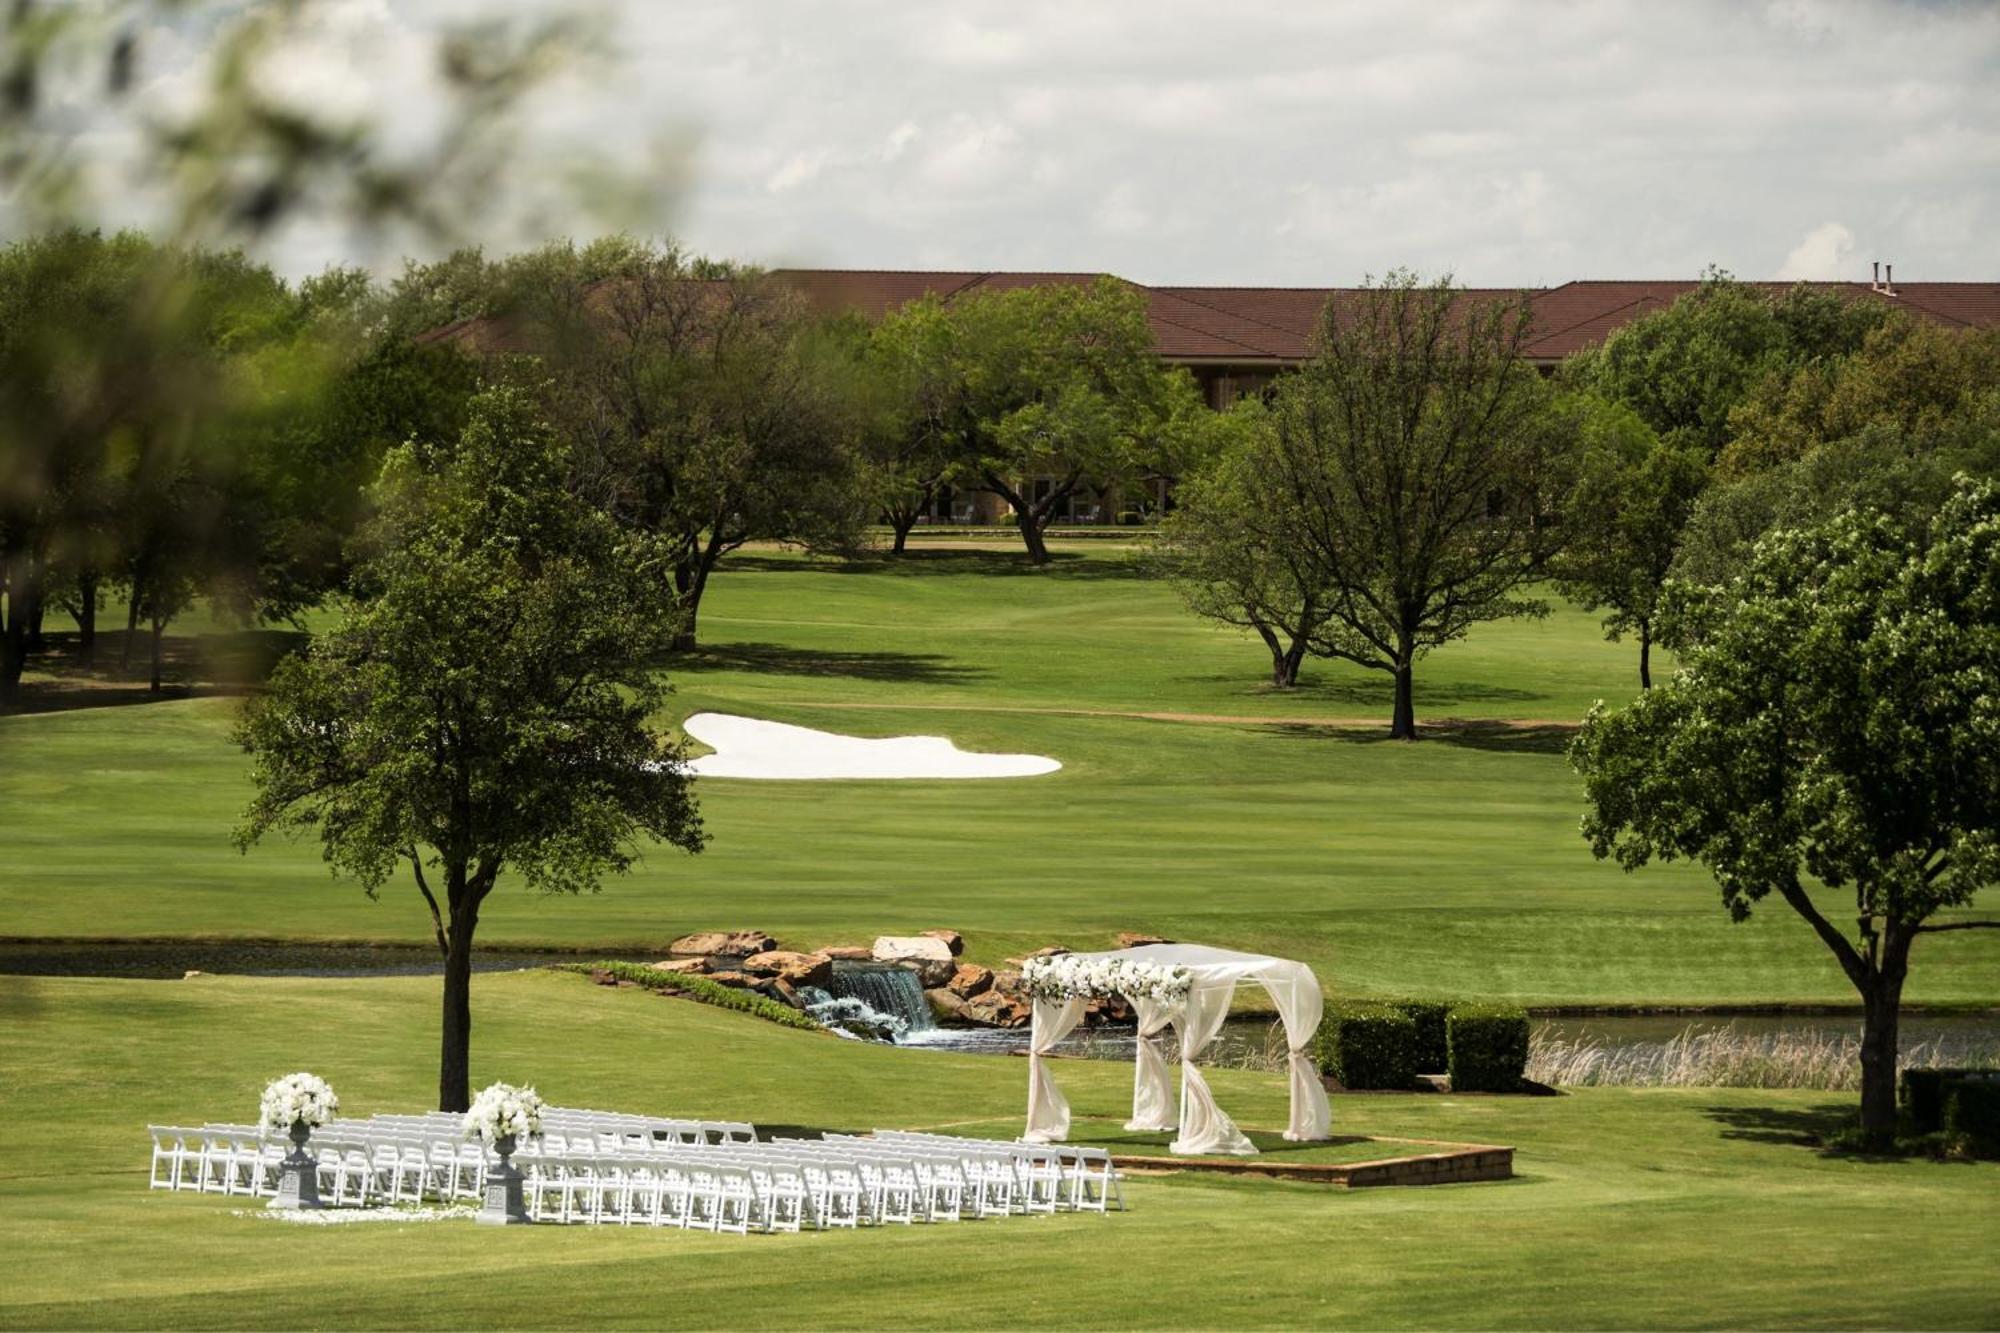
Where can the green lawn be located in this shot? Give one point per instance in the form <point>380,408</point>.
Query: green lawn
<point>1449,865</point>
<point>1667,1208</point>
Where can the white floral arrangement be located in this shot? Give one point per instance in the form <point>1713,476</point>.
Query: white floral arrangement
<point>297,1097</point>
<point>1068,976</point>
<point>503,1110</point>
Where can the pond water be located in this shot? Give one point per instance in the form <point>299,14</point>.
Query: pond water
<point>169,960</point>
<point>1255,1041</point>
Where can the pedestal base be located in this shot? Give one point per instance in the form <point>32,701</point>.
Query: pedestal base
<point>298,1182</point>
<point>502,1205</point>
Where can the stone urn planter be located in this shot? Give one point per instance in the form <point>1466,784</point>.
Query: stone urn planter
<point>502,1205</point>
<point>298,1175</point>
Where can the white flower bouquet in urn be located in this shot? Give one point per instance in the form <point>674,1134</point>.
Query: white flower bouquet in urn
<point>503,1111</point>
<point>296,1099</point>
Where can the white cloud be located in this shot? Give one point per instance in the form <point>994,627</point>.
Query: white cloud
<point>1507,140</point>
<point>1822,253</point>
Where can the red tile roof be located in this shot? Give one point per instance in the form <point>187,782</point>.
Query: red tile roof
<point>1276,324</point>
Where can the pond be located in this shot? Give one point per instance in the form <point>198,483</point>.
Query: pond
<point>176,958</point>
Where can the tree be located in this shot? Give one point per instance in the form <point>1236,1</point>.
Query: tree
<point>703,404</point>
<point>1833,724</point>
<point>1047,390</point>
<point>1421,461</point>
<point>912,414</point>
<point>1230,551</point>
<point>1633,496</point>
<point>1685,369</point>
<point>485,706</point>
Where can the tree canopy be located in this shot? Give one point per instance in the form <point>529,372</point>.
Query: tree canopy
<point>1834,728</point>
<point>1423,461</point>
<point>484,705</point>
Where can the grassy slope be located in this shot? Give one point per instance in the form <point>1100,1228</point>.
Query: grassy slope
<point>1660,1208</point>
<point>1451,866</point>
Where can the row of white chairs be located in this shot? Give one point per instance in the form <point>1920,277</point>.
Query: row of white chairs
<point>610,1168</point>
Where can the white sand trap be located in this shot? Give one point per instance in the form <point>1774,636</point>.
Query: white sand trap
<point>747,748</point>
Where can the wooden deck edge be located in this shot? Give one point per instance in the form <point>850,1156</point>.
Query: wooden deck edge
<point>1458,1163</point>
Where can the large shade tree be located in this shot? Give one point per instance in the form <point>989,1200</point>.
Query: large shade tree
<point>1044,392</point>
<point>703,404</point>
<point>1634,493</point>
<point>1422,459</point>
<point>1230,551</point>
<point>1833,736</point>
<point>484,704</point>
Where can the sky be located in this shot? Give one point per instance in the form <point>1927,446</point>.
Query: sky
<point>1241,142</point>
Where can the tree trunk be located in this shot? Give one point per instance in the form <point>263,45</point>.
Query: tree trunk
<point>36,604</point>
<point>1289,664</point>
<point>1031,533</point>
<point>1403,722</point>
<point>902,524</point>
<point>86,617</point>
<point>1645,656</point>
<point>1881,1009</point>
<point>159,629</point>
<point>13,629</point>
<point>455,1045</point>
<point>687,588</point>
<point>131,630</point>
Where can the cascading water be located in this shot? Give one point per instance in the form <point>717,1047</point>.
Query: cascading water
<point>871,1002</point>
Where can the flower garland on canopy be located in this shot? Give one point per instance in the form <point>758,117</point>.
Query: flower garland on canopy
<point>295,1098</point>
<point>1071,977</point>
<point>504,1111</point>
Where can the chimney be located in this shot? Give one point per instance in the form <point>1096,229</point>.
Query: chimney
<point>1888,280</point>
<point>1875,283</point>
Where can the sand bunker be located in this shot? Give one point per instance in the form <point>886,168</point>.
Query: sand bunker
<point>747,748</point>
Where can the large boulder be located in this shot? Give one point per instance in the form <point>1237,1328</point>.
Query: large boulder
<point>1130,939</point>
<point>850,953</point>
<point>948,1006</point>
<point>727,943</point>
<point>969,979</point>
<point>910,949</point>
<point>800,969</point>
<point>993,1009</point>
<point>931,972</point>
<point>1008,982</point>
<point>681,965</point>
<point>952,940</point>
<point>741,980</point>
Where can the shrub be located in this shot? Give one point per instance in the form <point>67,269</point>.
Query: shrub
<point>1429,1053</point>
<point>1367,1046</point>
<point>1972,1109</point>
<point>1923,1096</point>
<point>1486,1047</point>
<point>702,990</point>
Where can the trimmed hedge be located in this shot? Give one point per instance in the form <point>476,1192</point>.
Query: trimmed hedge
<point>1972,1109</point>
<point>1924,1095</point>
<point>1430,1054</point>
<point>1367,1046</point>
<point>702,990</point>
<point>1486,1047</point>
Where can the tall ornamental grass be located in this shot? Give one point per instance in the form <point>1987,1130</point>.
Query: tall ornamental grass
<point>1729,1058</point>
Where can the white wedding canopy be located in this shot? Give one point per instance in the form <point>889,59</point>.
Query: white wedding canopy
<point>1202,1126</point>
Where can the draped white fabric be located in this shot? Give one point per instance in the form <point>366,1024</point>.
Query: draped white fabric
<point>1152,1087</point>
<point>1204,1126</point>
<point>1048,1109</point>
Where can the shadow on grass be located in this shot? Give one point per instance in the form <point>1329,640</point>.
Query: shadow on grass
<point>1797,1127</point>
<point>785,660</point>
<point>232,662</point>
<point>1498,737</point>
<point>1067,565</point>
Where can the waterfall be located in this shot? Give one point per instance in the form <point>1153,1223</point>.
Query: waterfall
<point>864,1000</point>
